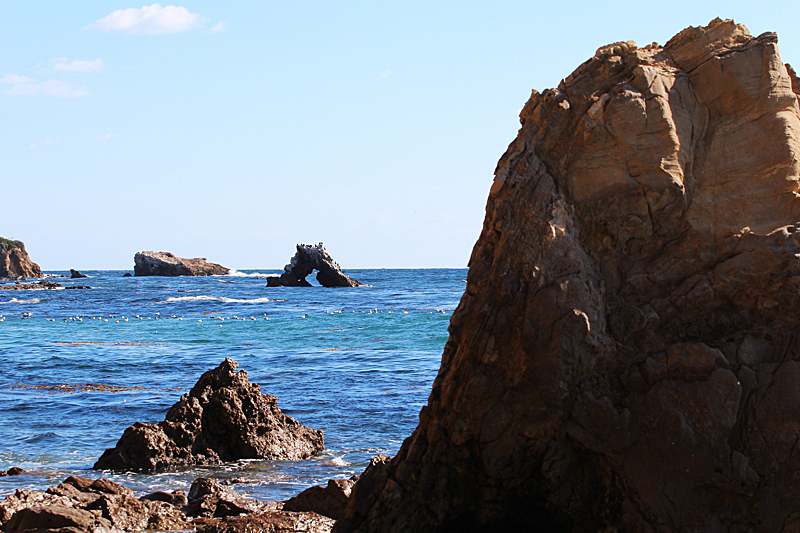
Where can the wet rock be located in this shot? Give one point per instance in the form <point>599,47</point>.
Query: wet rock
<point>75,274</point>
<point>307,259</point>
<point>83,505</point>
<point>329,501</point>
<point>14,261</point>
<point>13,471</point>
<point>167,264</point>
<point>43,285</point>
<point>208,498</point>
<point>176,497</point>
<point>625,356</point>
<point>223,418</point>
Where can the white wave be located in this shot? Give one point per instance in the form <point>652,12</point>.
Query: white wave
<point>15,301</point>
<point>237,274</point>
<point>337,461</point>
<point>203,298</point>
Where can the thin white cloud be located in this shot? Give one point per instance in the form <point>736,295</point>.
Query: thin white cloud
<point>42,144</point>
<point>23,86</point>
<point>152,19</point>
<point>385,74</point>
<point>14,79</point>
<point>78,65</point>
<point>220,27</point>
<point>106,137</point>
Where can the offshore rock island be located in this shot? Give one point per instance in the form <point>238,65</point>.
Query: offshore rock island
<point>625,356</point>
<point>167,264</point>
<point>310,257</point>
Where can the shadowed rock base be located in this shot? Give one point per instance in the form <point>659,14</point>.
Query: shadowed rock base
<point>626,355</point>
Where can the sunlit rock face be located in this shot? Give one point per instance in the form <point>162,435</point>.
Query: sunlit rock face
<point>167,264</point>
<point>14,261</point>
<point>625,356</point>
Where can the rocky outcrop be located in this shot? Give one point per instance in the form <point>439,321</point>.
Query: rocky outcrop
<point>626,355</point>
<point>307,259</point>
<point>75,274</point>
<point>14,261</point>
<point>43,285</point>
<point>329,500</point>
<point>84,505</point>
<point>166,264</point>
<point>223,418</point>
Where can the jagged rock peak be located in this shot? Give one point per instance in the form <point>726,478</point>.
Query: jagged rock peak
<point>14,261</point>
<point>223,418</point>
<point>625,356</point>
<point>167,264</point>
<point>310,257</point>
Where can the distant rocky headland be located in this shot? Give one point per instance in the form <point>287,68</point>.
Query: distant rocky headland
<point>14,261</point>
<point>167,264</point>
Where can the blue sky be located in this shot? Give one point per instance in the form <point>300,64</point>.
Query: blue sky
<point>233,130</point>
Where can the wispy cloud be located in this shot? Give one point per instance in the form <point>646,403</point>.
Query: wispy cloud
<point>385,74</point>
<point>152,19</point>
<point>78,65</point>
<point>106,137</point>
<point>42,144</point>
<point>24,86</point>
<point>219,27</point>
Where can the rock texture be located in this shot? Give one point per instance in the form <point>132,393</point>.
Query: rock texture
<point>307,259</point>
<point>14,261</point>
<point>84,505</point>
<point>329,501</point>
<point>626,355</point>
<point>166,264</point>
<point>223,418</point>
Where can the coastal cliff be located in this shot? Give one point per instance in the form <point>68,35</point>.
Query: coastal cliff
<point>625,356</point>
<point>14,261</point>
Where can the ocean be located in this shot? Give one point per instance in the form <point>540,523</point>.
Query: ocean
<point>77,367</point>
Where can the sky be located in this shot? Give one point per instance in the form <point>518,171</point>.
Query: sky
<point>234,130</point>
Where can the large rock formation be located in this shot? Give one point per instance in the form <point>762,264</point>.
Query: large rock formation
<point>626,356</point>
<point>307,259</point>
<point>166,264</point>
<point>14,261</point>
<point>223,418</point>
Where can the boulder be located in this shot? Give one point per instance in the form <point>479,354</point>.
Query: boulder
<point>223,418</point>
<point>626,355</point>
<point>75,274</point>
<point>307,259</point>
<point>14,261</point>
<point>166,264</point>
<point>13,471</point>
<point>329,501</point>
<point>208,498</point>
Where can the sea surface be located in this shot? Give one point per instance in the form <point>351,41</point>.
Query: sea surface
<point>357,363</point>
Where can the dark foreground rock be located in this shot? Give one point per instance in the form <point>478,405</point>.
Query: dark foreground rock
<point>166,264</point>
<point>307,259</point>
<point>81,505</point>
<point>626,355</point>
<point>13,471</point>
<point>84,505</point>
<point>223,418</point>
<point>14,261</point>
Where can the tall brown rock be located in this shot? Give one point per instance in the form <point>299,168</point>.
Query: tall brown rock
<point>626,354</point>
<point>14,261</point>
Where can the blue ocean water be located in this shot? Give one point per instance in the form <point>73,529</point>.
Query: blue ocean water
<point>357,363</point>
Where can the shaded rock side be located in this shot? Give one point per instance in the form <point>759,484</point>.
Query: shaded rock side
<point>223,418</point>
<point>166,264</point>
<point>14,261</point>
<point>310,257</point>
<point>626,355</point>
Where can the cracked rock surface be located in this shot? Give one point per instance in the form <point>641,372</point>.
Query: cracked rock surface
<point>625,356</point>
<point>223,418</point>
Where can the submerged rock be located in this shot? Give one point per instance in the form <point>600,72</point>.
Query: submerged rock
<point>307,259</point>
<point>42,285</point>
<point>166,264</point>
<point>14,261</point>
<point>223,418</point>
<point>625,356</point>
